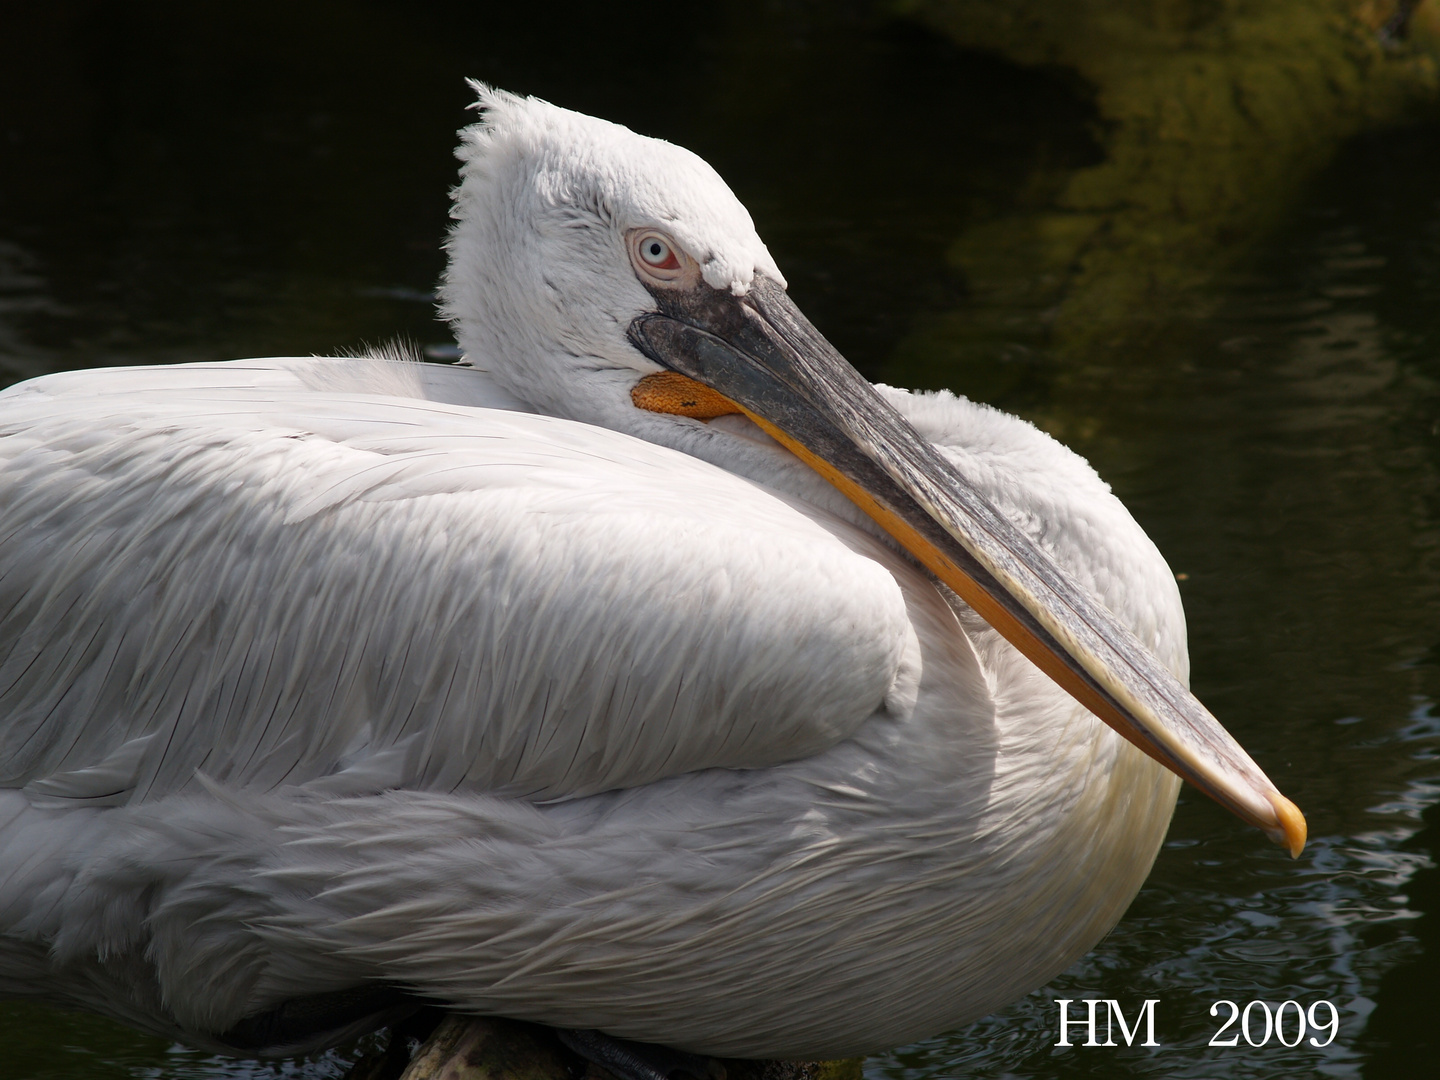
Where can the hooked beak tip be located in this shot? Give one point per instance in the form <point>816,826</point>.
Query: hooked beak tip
<point>1289,830</point>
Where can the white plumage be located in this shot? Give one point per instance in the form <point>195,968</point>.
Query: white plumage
<point>486,684</point>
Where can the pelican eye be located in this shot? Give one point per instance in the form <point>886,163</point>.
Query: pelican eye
<point>656,251</point>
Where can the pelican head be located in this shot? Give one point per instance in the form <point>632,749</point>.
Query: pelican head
<point>615,279</point>
<point>542,284</point>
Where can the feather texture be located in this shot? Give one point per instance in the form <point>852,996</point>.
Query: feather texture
<point>356,593</point>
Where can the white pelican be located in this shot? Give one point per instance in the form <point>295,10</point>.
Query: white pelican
<point>609,682</point>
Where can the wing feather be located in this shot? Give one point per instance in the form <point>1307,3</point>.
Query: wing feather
<point>353,576</point>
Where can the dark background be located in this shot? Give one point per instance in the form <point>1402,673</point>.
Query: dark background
<point>194,181</point>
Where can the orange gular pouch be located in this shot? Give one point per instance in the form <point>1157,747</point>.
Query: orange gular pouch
<point>680,395</point>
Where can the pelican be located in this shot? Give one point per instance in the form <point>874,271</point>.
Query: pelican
<point>650,673</point>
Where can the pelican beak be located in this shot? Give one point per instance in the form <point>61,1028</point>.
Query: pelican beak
<point>759,354</point>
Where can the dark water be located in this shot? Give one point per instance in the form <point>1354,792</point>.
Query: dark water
<point>177,183</point>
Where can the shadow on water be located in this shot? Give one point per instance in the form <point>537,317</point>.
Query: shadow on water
<point>1397,178</point>
<point>200,181</point>
<point>1402,1039</point>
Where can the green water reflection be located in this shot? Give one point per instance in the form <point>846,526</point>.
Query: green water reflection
<point>182,184</point>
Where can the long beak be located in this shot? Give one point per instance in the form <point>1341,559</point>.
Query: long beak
<point>759,352</point>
